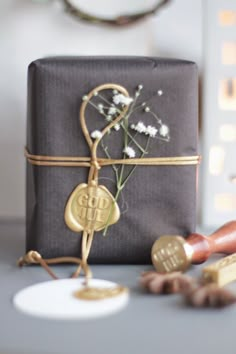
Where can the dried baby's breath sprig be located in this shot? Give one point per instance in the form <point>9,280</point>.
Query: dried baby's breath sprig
<point>110,108</point>
<point>163,130</point>
<point>140,127</point>
<point>168,283</point>
<point>209,295</point>
<point>150,130</point>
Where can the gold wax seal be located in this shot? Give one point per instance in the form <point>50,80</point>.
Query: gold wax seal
<point>170,254</point>
<point>90,293</point>
<point>91,208</point>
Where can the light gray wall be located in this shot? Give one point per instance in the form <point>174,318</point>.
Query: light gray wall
<point>219,163</point>
<point>31,30</point>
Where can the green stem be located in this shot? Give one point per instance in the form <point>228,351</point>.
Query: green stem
<point>119,189</point>
<point>121,184</point>
<point>105,149</point>
<point>134,168</point>
<point>105,100</point>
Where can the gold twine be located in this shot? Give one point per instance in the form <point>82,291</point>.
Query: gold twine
<point>71,161</point>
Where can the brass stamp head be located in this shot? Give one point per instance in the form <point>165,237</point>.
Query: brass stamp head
<point>171,254</point>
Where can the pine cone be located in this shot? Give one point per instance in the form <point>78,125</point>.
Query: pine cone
<point>169,283</point>
<point>209,296</point>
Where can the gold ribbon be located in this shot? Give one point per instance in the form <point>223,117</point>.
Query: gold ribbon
<point>71,161</point>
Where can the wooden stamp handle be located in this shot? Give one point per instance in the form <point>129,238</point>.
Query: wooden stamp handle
<point>222,240</point>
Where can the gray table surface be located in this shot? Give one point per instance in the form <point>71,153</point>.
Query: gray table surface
<point>149,324</point>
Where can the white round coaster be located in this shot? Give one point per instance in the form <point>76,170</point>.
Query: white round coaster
<point>55,300</point>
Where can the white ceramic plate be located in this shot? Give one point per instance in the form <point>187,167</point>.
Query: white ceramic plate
<point>55,300</point>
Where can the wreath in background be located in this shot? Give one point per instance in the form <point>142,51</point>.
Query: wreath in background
<point>119,21</point>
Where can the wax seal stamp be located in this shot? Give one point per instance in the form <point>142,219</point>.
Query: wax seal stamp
<point>174,253</point>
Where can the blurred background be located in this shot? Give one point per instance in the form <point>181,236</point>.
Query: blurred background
<point>201,31</point>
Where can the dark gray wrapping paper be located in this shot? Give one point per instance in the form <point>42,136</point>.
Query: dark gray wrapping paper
<point>160,199</point>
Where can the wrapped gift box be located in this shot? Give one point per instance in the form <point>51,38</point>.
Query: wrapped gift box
<point>156,200</point>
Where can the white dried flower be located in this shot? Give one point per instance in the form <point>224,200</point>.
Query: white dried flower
<point>164,130</point>
<point>96,134</point>
<point>85,98</point>
<point>141,127</point>
<point>151,131</point>
<point>160,92</point>
<point>115,92</point>
<point>140,87</point>
<point>117,98</point>
<point>117,126</point>
<point>95,93</point>
<point>109,118</point>
<point>129,151</point>
<point>100,108</point>
<point>112,110</point>
<point>121,99</point>
<point>128,100</point>
<point>147,109</point>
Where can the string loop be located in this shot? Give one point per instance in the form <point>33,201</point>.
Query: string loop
<point>34,257</point>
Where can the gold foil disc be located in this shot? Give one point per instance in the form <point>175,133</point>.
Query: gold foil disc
<point>91,208</point>
<point>91,293</point>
